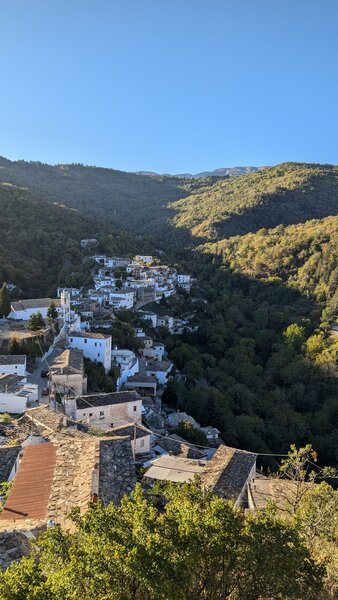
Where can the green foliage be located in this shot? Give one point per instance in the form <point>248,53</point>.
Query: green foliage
<point>5,302</point>
<point>97,379</point>
<point>36,322</point>
<point>187,431</point>
<point>5,487</point>
<point>52,313</point>
<point>198,547</point>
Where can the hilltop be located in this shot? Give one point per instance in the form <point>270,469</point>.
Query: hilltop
<point>185,211</point>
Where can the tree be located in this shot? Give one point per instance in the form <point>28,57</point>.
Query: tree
<point>14,346</point>
<point>52,313</point>
<point>195,436</point>
<point>200,547</point>
<point>5,302</point>
<point>36,322</point>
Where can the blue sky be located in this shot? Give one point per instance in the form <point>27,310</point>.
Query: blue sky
<point>167,85</point>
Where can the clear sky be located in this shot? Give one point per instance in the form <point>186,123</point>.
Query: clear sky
<point>169,85</point>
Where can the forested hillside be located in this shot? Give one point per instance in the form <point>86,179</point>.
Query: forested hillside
<point>305,256</point>
<point>112,195</point>
<point>40,241</point>
<point>288,193</point>
<point>185,211</point>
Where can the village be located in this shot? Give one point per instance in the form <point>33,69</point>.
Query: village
<point>65,444</point>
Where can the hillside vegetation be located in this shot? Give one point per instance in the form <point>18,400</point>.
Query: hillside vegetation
<point>305,256</point>
<point>119,197</point>
<point>185,211</point>
<point>288,193</point>
<point>40,241</point>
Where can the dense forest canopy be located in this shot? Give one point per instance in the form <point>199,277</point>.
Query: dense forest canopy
<point>40,240</point>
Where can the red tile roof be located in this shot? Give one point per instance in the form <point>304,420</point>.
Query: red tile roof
<point>29,495</point>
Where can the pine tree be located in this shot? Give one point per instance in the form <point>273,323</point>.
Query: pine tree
<point>52,313</point>
<point>5,302</point>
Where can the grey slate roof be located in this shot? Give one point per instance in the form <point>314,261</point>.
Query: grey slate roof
<point>97,400</point>
<point>8,456</point>
<point>228,471</point>
<point>35,303</point>
<point>178,447</point>
<point>12,359</point>
<point>158,366</point>
<point>10,383</point>
<point>88,334</point>
<point>129,430</point>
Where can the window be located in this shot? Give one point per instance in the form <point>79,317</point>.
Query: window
<point>85,341</point>
<point>101,413</point>
<point>90,414</point>
<point>98,354</point>
<point>95,344</point>
<point>84,414</point>
<point>142,443</point>
<point>134,408</point>
<point>71,339</point>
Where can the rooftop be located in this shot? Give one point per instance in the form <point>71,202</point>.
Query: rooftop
<point>11,383</point>
<point>175,469</point>
<point>161,365</point>
<point>88,334</point>
<point>12,359</point>
<point>264,490</point>
<point>96,400</point>
<point>55,476</point>
<point>129,430</point>
<point>44,420</point>
<point>228,471</point>
<point>140,378</point>
<point>179,447</point>
<point>69,362</point>
<point>35,303</point>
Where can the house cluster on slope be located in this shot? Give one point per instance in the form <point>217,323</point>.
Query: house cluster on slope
<point>79,447</point>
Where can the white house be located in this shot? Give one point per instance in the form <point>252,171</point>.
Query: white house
<point>143,258</point>
<point>151,317</point>
<point>15,394</point>
<point>24,309</point>
<point>184,281</point>
<point>160,369</point>
<point>73,292</point>
<point>95,346</point>
<point>113,409</point>
<point>13,364</point>
<point>165,321</point>
<point>159,348</point>
<point>140,438</point>
<point>121,299</point>
<point>127,362</point>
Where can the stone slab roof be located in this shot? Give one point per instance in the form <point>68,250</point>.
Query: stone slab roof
<point>263,490</point>
<point>161,365</point>
<point>8,456</point>
<point>69,362</point>
<point>96,400</point>
<point>55,476</point>
<point>44,420</point>
<point>228,471</point>
<point>10,383</point>
<point>178,447</point>
<point>129,430</point>
<point>88,334</point>
<point>142,378</point>
<point>12,359</point>
<point>35,303</point>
